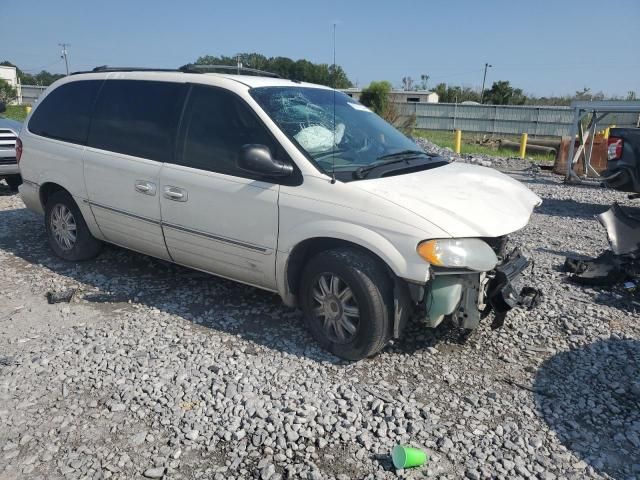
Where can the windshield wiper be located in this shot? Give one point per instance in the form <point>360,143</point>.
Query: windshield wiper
<point>402,153</point>
<point>388,159</point>
<point>329,153</point>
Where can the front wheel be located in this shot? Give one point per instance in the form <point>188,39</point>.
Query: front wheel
<point>67,231</point>
<point>347,297</point>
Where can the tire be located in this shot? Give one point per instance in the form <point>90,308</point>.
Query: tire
<point>85,245</point>
<point>14,181</point>
<point>371,294</point>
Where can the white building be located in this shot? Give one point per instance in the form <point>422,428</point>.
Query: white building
<point>10,75</point>
<point>401,96</point>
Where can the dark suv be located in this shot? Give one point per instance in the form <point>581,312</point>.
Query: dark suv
<point>623,168</point>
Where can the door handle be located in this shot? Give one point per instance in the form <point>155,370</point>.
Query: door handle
<point>142,186</point>
<point>175,193</point>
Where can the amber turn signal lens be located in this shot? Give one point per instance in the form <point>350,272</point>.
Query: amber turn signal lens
<point>429,251</point>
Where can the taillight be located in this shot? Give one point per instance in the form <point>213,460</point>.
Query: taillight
<point>18,150</point>
<point>614,149</point>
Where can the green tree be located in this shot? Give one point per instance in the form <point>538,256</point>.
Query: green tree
<point>502,93</point>
<point>424,81</point>
<point>302,69</point>
<point>43,78</point>
<point>376,96</point>
<point>455,94</point>
<point>7,92</point>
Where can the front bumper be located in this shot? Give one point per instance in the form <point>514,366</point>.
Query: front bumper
<point>469,297</point>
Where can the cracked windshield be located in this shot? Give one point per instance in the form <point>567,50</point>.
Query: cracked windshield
<point>306,115</point>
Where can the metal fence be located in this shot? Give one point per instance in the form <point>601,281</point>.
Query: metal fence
<point>501,119</point>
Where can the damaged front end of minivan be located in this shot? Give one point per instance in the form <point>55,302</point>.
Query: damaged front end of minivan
<point>470,278</point>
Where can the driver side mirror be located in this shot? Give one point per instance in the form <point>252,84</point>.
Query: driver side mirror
<point>257,158</point>
<point>3,107</point>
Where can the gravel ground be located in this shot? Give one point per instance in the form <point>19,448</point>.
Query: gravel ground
<point>155,370</point>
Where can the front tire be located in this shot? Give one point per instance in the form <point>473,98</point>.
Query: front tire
<point>347,298</point>
<point>68,234</point>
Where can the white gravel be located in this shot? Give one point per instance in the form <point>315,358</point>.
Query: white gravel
<point>157,371</point>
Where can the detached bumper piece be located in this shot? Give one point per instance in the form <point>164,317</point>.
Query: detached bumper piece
<point>504,291</point>
<point>621,264</point>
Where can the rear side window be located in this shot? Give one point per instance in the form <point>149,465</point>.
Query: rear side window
<point>65,112</point>
<point>216,125</point>
<point>137,118</point>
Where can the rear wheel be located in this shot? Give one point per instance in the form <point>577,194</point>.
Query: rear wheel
<point>14,181</point>
<point>347,299</point>
<point>67,231</point>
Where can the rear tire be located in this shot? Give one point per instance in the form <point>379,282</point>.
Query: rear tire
<point>14,181</point>
<point>347,299</point>
<point>67,231</point>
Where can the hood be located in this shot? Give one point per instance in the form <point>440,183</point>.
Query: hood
<point>463,200</point>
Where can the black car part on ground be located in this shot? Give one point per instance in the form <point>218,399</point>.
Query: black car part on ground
<point>605,270</point>
<point>503,293</point>
<point>614,266</point>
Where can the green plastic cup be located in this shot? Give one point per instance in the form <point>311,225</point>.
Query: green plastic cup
<point>407,457</point>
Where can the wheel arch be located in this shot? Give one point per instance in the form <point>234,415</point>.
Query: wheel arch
<point>304,250</point>
<point>49,188</point>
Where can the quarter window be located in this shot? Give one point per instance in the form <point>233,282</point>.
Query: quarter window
<point>64,113</point>
<point>138,118</point>
<point>215,127</point>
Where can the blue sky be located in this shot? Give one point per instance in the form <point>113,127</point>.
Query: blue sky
<point>544,47</point>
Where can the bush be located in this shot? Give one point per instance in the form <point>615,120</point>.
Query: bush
<point>7,92</point>
<point>376,96</point>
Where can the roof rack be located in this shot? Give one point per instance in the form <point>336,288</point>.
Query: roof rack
<point>106,68</point>
<point>189,68</point>
<point>198,68</point>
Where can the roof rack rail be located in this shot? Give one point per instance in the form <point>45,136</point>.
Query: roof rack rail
<point>198,68</point>
<point>106,68</point>
<point>189,68</point>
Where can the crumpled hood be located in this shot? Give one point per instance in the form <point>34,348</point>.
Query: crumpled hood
<point>463,200</point>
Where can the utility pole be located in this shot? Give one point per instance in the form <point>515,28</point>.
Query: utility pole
<point>239,63</point>
<point>65,55</point>
<point>484,78</point>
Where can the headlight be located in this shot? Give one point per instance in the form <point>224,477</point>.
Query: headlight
<point>470,253</point>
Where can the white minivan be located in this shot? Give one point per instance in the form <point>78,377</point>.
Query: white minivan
<point>286,186</point>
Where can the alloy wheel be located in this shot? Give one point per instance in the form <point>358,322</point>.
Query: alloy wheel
<point>336,308</point>
<point>63,227</point>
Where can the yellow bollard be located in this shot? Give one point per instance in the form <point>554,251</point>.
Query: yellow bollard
<point>458,140</point>
<point>28,109</point>
<point>608,130</point>
<point>523,145</point>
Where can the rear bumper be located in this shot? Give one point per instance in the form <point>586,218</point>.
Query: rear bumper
<point>30,195</point>
<point>469,297</point>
